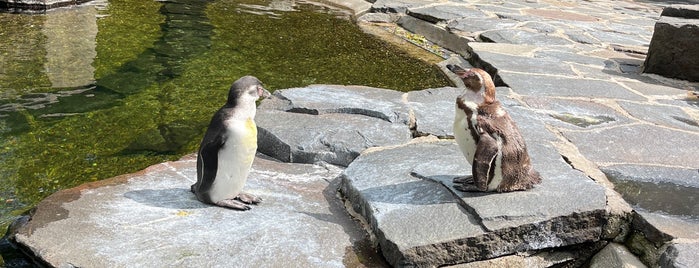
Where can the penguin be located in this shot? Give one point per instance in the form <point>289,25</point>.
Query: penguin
<point>228,148</point>
<point>489,139</point>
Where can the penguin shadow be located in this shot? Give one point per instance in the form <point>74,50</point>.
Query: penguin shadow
<point>447,181</point>
<point>174,198</point>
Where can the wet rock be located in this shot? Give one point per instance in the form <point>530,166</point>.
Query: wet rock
<point>672,52</point>
<point>153,211</point>
<point>615,255</point>
<point>448,226</point>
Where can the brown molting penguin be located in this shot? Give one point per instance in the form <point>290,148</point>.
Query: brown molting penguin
<point>489,139</point>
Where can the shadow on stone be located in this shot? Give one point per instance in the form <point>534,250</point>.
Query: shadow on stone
<point>166,198</point>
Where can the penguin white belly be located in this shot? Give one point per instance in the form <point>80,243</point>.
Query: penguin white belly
<point>234,159</point>
<point>462,133</point>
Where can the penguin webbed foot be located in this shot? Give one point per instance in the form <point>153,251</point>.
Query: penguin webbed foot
<point>466,184</point>
<point>248,198</point>
<point>233,204</point>
<point>463,180</point>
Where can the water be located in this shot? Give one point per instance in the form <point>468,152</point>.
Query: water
<point>96,91</point>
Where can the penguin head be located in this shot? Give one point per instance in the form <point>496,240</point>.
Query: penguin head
<point>477,81</point>
<point>247,89</point>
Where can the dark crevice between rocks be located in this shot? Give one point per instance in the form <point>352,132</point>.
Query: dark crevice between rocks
<point>462,204</point>
<point>477,62</point>
<point>352,111</point>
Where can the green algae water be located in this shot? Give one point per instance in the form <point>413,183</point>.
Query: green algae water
<point>95,91</point>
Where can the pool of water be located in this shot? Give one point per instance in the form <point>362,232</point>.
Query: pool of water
<point>99,90</point>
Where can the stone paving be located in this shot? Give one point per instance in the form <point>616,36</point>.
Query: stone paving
<point>568,73</point>
<point>578,65</point>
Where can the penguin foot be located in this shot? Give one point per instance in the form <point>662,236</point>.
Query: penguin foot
<point>248,198</point>
<point>464,180</point>
<point>467,188</point>
<point>232,203</point>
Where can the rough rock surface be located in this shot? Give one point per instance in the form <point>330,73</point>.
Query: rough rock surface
<point>673,51</point>
<point>331,123</point>
<point>151,219</point>
<point>615,255</point>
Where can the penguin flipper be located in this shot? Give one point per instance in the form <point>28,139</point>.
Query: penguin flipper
<point>207,165</point>
<point>483,166</point>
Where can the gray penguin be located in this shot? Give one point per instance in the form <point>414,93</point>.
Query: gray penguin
<point>226,153</point>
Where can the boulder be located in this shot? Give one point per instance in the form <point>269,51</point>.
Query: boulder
<point>673,51</point>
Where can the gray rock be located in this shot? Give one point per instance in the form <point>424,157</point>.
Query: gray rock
<point>650,89</point>
<point>581,37</point>
<point>324,99</point>
<point>615,255</point>
<point>334,138</point>
<point>437,35</point>
<point>680,255</point>
<point>618,38</point>
<point>570,57</point>
<point>617,147</point>
<point>505,62</point>
<point>514,36</point>
<point>151,219</point>
<point>576,114</point>
<point>378,17</point>
<point>543,85</point>
<point>421,220</point>
<point>445,12</point>
<point>434,110</point>
<point>474,25</point>
<point>397,6</point>
<point>681,11</point>
<point>662,115</point>
<point>688,177</point>
<point>673,51</point>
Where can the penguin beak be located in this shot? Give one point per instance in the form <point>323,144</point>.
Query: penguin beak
<point>263,93</point>
<point>458,70</point>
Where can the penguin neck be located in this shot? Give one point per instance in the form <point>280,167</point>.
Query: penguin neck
<point>242,111</point>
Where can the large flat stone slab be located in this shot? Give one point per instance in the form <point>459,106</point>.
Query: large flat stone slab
<point>330,123</point>
<point>545,85</point>
<point>434,110</point>
<point>150,219</point>
<point>381,103</point>
<point>421,220</point>
<point>617,147</point>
